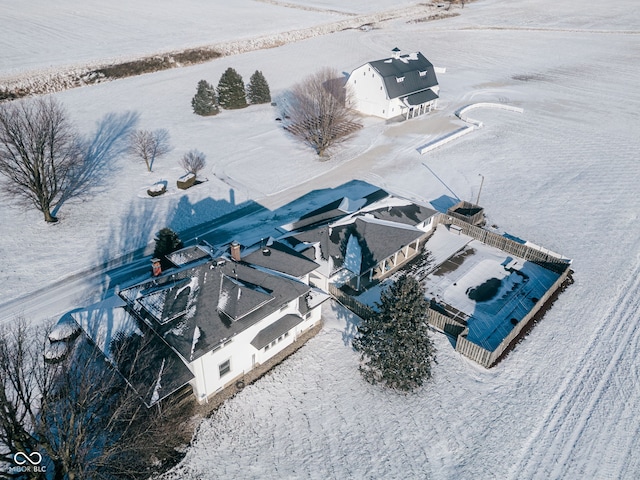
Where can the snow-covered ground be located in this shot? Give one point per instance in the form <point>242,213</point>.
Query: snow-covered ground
<point>563,174</point>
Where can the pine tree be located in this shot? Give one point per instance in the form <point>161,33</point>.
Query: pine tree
<point>258,89</point>
<point>167,241</point>
<point>231,92</point>
<point>394,344</point>
<point>205,101</point>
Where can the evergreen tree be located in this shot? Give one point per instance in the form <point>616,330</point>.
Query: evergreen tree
<point>258,89</point>
<point>394,344</point>
<point>231,92</point>
<point>167,241</point>
<point>205,101</point>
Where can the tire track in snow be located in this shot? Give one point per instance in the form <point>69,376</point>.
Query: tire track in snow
<point>307,8</point>
<point>581,394</point>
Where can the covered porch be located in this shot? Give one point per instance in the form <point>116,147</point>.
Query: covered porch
<point>419,103</point>
<point>386,267</point>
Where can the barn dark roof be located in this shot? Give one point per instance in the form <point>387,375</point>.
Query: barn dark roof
<point>406,74</point>
<point>421,97</point>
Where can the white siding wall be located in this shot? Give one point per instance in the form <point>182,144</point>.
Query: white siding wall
<point>241,353</point>
<point>369,95</point>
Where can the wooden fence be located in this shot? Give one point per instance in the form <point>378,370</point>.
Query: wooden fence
<point>448,325</point>
<point>475,219</point>
<point>359,308</point>
<point>550,262</point>
<point>453,326</point>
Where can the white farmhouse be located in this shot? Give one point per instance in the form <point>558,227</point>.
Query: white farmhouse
<point>400,85</point>
<point>208,321</point>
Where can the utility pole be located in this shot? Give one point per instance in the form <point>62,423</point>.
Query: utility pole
<point>480,191</point>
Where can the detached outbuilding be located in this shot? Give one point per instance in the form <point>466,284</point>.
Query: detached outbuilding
<point>404,84</point>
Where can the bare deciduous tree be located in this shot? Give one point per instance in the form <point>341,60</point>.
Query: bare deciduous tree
<point>79,415</point>
<point>316,112</point>
<point>149,145</point>
<point>39,152</point>
<point>193,161</point>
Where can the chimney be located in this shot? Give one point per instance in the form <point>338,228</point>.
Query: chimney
<point>235,251</point>
<point>156,266</point>
<point>396,53</point>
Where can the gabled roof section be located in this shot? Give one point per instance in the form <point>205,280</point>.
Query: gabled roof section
<point>281,258</point>
<point>377,240</point>
<point>399,210</point>
<point>171,300</point>
<point>336,209</point>
<point>406,74</point>
<point>237,299</point>
<point>188,255</point>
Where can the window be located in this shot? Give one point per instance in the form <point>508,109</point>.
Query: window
<point>399,79</point>
<point>266,348</point>
<point>279,338</point>
<point>423,74</point>
<point>286,334</point>
<point>224,367</point>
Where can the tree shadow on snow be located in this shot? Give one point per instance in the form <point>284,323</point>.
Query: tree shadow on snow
<point>127,241</point>
<point>98,152</point>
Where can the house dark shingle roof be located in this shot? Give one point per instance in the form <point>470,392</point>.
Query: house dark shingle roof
<point>411,214</point>
<point>273,331</point>
<point>281,258</point>
<point>190,299</point>
<point>238,299</point>
<point>336,209</point>
<point>414,69</point>
<point>378,240</point>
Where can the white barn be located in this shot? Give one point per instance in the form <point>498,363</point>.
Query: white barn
<point>400,85</point>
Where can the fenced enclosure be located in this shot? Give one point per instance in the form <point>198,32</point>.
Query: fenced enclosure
<point>487,358</point>
<point>549,260</point>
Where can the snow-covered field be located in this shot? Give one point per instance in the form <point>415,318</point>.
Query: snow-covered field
<point>563,174</point>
